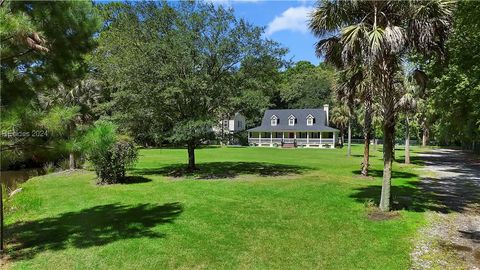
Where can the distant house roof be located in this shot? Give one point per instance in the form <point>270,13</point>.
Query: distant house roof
<point>300,124</point>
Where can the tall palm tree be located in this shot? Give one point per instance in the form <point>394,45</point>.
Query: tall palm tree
<point>408,104</point>
<point>86,95</point>
<point>345,89</point>
<point>365,91</point>
<point>341,118</point>
<point>379,34</point>
<point>354,85</point>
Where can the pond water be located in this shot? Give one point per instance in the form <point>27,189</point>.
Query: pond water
<point>12,179</point>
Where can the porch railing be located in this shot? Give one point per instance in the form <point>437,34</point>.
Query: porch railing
<point>299,141</point>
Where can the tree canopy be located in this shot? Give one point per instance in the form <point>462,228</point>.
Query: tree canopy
<point>43,44</point>
<point>307,86</point>
<point>454,84</point>
<point>175,66</point>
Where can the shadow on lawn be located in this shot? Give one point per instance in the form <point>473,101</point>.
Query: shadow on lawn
<point>406,197</point>
<point>134,179</point>
<point>96,226</point>
<point>219,170</point>
<point>456,189</point>
<point>413,160</point>
<point>358,155</point>
<point>434,195</point>
<point>395,174</point>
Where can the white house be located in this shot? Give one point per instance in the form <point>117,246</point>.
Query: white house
<point>293,128</point>
<point>228,127</point>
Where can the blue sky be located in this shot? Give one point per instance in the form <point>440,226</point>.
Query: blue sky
<point>285,22</point>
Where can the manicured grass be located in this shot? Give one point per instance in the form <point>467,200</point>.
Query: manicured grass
<point>272,208</point>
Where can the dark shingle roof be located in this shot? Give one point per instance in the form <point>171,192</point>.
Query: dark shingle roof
<point>300,125</point>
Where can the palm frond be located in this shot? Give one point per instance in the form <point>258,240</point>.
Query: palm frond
<point>331,49</point>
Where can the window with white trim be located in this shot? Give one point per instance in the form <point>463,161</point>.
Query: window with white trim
<point>273,120</point>
<point>291,120</point>
<point>310,120</point>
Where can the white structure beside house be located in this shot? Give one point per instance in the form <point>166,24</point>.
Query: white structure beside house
<point>226,128</point>
<point>293,128</point>
<point>231,125</point>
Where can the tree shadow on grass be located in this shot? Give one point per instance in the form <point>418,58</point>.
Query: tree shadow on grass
<point>395,174</point>
<point>413,160</point>
<point>424,196</point>
<point>96,226</point>
<point>134,179</point>
<point>221,170</point>
<point>358,155</point>
<point>405,197</point>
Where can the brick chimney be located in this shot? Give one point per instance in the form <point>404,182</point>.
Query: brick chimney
<point>325,109</point>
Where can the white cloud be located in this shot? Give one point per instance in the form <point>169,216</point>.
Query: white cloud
<point>293,19</point>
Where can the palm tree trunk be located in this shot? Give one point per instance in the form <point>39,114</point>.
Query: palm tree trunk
<point>385,199</point>
<point>191,157</point>
<point>72,161</point>
<point>407,141</point>
<point>1,217</point>
<point>367,133</point>
<point>425,137</point>
<point>425,134</point>
<point>388,104</point>
<point>349,147</point>
<point>342,131</point>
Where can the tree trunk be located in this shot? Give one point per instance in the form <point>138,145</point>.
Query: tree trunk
<point>366,154</point>
<point>191,157</point>
<point>349,147</point>
<point>425,134</point>
<point>388,146</point>
<point>1,217</point>
<point>367,133</point>
<point>407,141</point>
<point>72,161</point>
<point>341,137</point>
<point>388,104</point>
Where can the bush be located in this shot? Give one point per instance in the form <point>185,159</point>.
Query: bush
<point>109,154</point>
<point>49,167</point>
<point>241,138</point>
<point>64,164</point>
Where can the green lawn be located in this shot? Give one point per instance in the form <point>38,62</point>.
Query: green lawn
<point>256,208</point>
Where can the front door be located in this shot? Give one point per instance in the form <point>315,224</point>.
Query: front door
<point>291,135</point>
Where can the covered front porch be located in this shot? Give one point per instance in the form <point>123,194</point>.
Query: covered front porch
<point>293,139</point>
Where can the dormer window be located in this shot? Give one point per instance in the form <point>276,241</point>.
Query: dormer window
<point>273,120</point>
<point>291,120</point>
<point>310,120</point>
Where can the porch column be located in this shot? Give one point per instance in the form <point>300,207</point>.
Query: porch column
<point>333,146</point>
<point>320,145</point>
<point>259,138</point>
<point>271,138</point>
<point>308,139</point>
<point>295,135</point>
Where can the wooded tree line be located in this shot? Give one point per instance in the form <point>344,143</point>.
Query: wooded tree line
<point>166,72</point>
<point>163,72</point>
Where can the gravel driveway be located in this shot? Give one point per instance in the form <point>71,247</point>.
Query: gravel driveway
<point>452,238</point>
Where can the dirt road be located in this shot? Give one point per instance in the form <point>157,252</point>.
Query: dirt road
<point>452,238</point>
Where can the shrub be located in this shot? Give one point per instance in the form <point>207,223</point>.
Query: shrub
<point>64,164</point>
<point>49,167</point>
<point>109,154</point>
